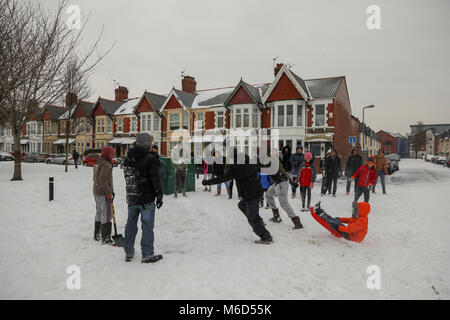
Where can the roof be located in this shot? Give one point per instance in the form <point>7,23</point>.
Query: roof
<point>127,107</point>
<point>55,111</point>
<point>301,83</point>
<point>186,98</point>
<point>212,97</point>
<point>439,128</point>
<point>156,100</point>
<point>109,106</point>
<point>324,87</point>
<point>87,106</point>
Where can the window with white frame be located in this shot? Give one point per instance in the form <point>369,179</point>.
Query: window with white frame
<point>299,116</point>
<point>120,125</point>
<point>246,118</point>
<point>255,117</point>
<point>108,125</point>
<point>146,122</point>
<point>220,119</point>
<point>280,116</point>
<point>238,122</point>
<point>185,120</point>
<point>289,115</point>
<point>174,121</point>
<point>155,122</point>
<point>133,126</point>
<point>319,117</point>
<point>54,127</point>
<point>199,120</point>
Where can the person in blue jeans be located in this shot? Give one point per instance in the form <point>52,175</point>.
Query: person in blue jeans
<point>143,186</point>
<point>382,171</point>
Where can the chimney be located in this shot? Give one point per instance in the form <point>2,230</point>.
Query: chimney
<point>71,99</point>
<point>188,84</point>
<point>121,93</point>
<point>277,68</point>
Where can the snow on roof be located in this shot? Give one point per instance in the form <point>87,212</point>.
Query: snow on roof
<point>127,108</point>
<point>211,97</point>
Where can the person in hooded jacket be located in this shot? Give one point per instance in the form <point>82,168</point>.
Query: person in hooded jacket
<point>143,187</point>
<point>332,171</point>
<point>357,226</point>
<point>296,162</point>
<point>364,177</point>
<point>103,190</point>
<point>354,162</point>
<point>286,158</point>
<point>249,189</point>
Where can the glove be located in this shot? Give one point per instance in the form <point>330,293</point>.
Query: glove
<point>311,185</point>
<point>109,197</point>
<point>159,201</point>
<point>370,184</point>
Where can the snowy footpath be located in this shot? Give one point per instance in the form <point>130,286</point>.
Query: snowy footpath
<point>208,245</point>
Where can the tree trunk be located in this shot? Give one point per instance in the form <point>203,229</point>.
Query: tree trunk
<point>17,156</point>
<point>67,154</point>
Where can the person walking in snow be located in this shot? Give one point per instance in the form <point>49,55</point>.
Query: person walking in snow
<point>143,187</point>
<point>207,173</point>
<point>249,188</point>
<point>381,168</point>
<point>219,171</point>
<point>364,178</point>
<point>280,189</point>
<point>180,166</point>
<point>103,190</point>
<point>266,182</point>
<point>306,178</point>
<point>354,162</point>
<point>296,161</point>
<point>285,158</point>
<point>332,171</point>
<point>75,156</point>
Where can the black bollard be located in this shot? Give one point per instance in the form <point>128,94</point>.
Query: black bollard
<point>50,188</point>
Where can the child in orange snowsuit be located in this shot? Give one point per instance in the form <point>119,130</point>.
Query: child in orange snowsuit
<point>356,228</point>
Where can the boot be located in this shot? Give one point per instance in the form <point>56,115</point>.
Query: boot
<point>384,191</point>
<point>303,205</point>
<point>276,216</point>
<point>97,235</point>
<point>293,195</point>
<point>297,223</point>
<point>261,241</point>
<point>218,192</point>
<point>106,233</point>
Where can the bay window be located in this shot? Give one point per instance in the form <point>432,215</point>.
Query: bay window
<point>199,121</point>
<point>155,122</point>
<point>280,116</point>
<point>120,125</point>
<point>299,115</point>
<point>289,115</point>
<point>133,120</point>
<point>108,125</point>
<point>246,118</point>
<point>220,119</point>
<point>238,123</point>
<point>185,121</point>
<point>255,118</point>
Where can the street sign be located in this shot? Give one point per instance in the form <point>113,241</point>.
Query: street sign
<point>352,139</point>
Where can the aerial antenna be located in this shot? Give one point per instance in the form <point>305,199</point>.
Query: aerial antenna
<point>116,83</point>
<point>290,65</point>
<point>182,74</point>
<point>274,60</point>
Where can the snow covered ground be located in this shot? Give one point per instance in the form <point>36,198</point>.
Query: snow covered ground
<point>208,246</point>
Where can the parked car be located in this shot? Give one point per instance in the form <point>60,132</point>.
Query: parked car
<point>5,156</point>
<point>393,162</point>
<point>59,158</point>
<point>447,163</point>
<point>440,160</point>
<point>429,157</point>
<point>91,159</point>
<point>34,157</point>
<point>12,153</point>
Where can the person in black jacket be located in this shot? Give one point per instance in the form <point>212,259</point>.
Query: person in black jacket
<point>219,171</point>
<point>286,158</point>
<point>75,156</point>
<point>143,186</point>
<point>249,189</point>
<point>332,171</point>
<point>354,162</point>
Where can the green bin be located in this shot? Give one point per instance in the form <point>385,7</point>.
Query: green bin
<point>167,173</point>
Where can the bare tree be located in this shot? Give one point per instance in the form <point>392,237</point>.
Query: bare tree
<point>77,88</point>
<point>35,47</point>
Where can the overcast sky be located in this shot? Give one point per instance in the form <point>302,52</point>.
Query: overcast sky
<point>403,69</point>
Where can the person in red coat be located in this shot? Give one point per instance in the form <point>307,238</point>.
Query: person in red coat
<point>307,177</point>
<point>367,176</point>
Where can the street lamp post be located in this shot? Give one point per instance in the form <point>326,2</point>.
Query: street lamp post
<point>364,133</point>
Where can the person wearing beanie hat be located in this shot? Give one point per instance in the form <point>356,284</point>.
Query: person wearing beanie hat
<point>143,187</point>
<point>103,194</point>
<point>366,176</point>
<point>296,160</point>
<point>306,178</point>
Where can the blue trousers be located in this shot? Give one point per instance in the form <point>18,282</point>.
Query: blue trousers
<point>147,212</point>
<point>381,174</point>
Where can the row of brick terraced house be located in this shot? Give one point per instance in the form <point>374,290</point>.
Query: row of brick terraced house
<point>314,113</point>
